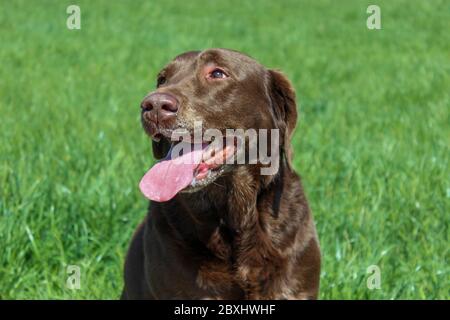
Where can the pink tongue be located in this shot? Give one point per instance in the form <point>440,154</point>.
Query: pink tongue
<point>166,178</point>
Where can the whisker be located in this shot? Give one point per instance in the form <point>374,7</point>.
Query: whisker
<point>217,184</point>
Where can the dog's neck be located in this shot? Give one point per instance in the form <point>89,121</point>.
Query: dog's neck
<point>224,208</point>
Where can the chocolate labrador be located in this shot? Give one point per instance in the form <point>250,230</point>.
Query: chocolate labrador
<point>217,230</point>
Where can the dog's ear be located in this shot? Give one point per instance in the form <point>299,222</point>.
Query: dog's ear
<point>160,148</point>
<point>285,110</point>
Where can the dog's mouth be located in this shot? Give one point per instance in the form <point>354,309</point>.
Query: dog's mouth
<point>187,167</point>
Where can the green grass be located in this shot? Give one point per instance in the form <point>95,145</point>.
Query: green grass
<point>372,145</point>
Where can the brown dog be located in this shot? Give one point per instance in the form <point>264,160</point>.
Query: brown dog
<point>234,233</point>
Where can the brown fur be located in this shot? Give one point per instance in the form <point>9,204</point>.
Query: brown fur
<point>245,236</point>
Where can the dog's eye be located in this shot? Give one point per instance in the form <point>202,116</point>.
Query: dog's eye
<point>218,74</point>
<point>161,80</point>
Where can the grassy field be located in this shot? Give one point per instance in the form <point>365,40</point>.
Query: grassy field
<point>372,145</point>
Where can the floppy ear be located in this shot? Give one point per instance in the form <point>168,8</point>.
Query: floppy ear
<point>285,109</point>
<point>160,149</point>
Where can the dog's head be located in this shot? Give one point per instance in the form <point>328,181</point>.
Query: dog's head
<point>219,90</point>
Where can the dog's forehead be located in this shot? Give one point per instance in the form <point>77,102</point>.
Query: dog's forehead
<point>186,56</point>
<point>224,57</point>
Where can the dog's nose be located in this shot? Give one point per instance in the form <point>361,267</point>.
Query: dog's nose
<point>162,105</point>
